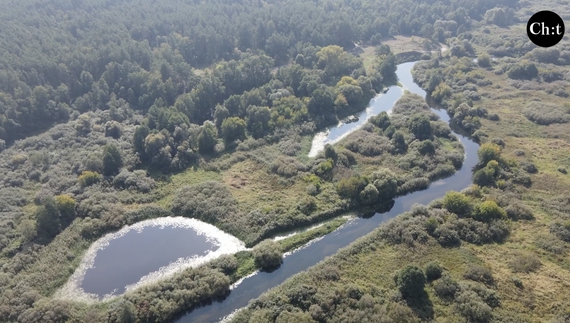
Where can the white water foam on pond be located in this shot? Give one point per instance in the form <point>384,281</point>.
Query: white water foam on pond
<point>318,143</point>
<point>226,243</point>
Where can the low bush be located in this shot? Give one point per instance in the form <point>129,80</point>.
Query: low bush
<point>209,201</point>
<point>413,185</point>
<point>408,230</point>
<point>433,271</point>
<point>551,244</point>
<point>368,144</point>
<point>447,236</point>
<point>88,178</point>
<point>479,274</point>
<point>227,264</point>
<point>307,205</point>
<point>267,255</point>
<point>291,146</point>
<point>488,211</point>
<point>524,262</point>
<point>519,211</point>
<point>529,167</point>
<point>489,296</point>
<point>445,287</point>
<point>410,281</point>
<point>544,113</point>
<point>136,180</point>
<point>287,166</point>
<point>457,203</point>
<point>519,152</point>
<point>473,308</point>
<point>479,232</point>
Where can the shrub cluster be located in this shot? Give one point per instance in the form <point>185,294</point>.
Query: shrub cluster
<point>545,113</point>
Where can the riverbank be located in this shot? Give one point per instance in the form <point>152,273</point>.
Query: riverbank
<point>252,287</point>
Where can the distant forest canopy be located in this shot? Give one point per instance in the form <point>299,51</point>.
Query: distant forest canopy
<point>72,56</point>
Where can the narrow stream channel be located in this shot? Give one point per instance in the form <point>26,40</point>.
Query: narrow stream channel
<point>256,285</point>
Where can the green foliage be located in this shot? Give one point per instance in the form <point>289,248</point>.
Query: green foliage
<point>88,178</point>
<point>66,207</point>
<point>321,105</point>
<point>457,203</point>
<point>233,128</point>
<point>484,60</point>
<point>386,182</point>
<point>208,137</point>
<point>446,288</point>
<point>268,255</point>
<point>351,187</point>
<point>139,137</point>
<point>324,169</point>
<point>488,152</point>
<point>488,211</point>
<point>433,271</point>
<point>411,282</point>
<point>524,70</point>
<point>47,219</point>
<point>399,142</point>
<point>441,92</point>
<point>258,121</point>
<point>221,113</point>
<point>369,195</point>
<point>431,225</point>
<point>65,67</point>
<point>122,312</point>
<point>330,153</point>
<point>112,160</point>
<point>426,147</point>
<point>113,129</point>
<point>209,201</point>
<point>473,308</point>
<point>381,120</point>
<point>484,177</point>
<point>336,62</point>
<point>420,127</point>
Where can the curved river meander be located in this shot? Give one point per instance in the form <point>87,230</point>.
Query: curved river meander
<point>254,286</point>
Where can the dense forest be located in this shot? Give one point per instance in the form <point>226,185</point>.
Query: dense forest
<point>114,112</point>
<point>65,58</point>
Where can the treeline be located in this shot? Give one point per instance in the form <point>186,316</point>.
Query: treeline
<point>243,99</point>
<point>74,56</point>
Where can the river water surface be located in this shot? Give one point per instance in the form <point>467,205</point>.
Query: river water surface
<point>254,286</point>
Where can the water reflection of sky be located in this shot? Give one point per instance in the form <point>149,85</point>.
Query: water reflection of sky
<point>127,259</point>
<point>382,102</point>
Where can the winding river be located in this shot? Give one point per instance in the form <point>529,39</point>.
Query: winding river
<point>252,287</point>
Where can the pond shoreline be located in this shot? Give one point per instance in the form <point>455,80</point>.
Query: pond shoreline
<point>226,243</point>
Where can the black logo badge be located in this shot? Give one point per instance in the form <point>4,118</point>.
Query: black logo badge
<point>545,29</point>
